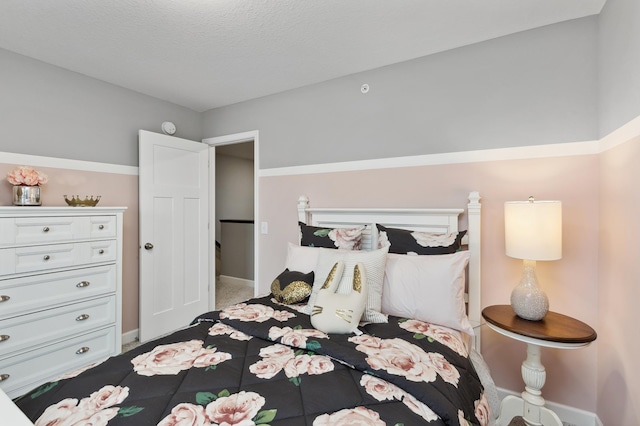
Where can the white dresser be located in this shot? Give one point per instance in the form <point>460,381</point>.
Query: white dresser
<point>60,291</point>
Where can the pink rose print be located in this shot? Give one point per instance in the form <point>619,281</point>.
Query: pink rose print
<point>276,358</point>
<point>380,389</point>
<point>219,329</point>
<point>186,415</point>
<point>399,357</point>
<point>277,351</point>
<point>95,410</point>
<point>107,396</point>
<point>402,359</point>
<point>248,313</point>
<point>444,368</point>
<point>254,313</point>
<point>482,410</point>
<point>441,334</point>
<point>55,414</point>
<point>236,409</point>
<point>368,341</point>
<point>347,239</point>
<point>297,366</point>
<point>359,416</point>
<point>319,364</point>
<point>295,337</point>
<point>267,368</point>
<point>383,390</point>
<point>428,239</point>
<point>461,419</point>
<point>419,408</point>
<point>172,358</point>
<point>283,316</point>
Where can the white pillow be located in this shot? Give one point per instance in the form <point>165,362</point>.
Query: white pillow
<point>374,262</point>
<point>302,259</point>
<point>427,288</point>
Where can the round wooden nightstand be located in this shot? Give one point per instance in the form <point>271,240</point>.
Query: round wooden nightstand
<point>553,331</point>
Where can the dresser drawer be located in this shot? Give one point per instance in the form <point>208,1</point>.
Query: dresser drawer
<point>38,328</point>
<point>37,292</point>
<point>24,371</point>
<point>45,230</point>
<point>42,258</point>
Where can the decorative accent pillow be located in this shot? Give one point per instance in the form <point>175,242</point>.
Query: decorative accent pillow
<point>292,286</point>
<point>301,258</point>
<point>427,288</point>
<point>402,241</point>
<point>340,313</point>
<point>373,261</point>
<point>342,238</point>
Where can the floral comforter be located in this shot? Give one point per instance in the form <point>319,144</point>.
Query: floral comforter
<point>263,363</point>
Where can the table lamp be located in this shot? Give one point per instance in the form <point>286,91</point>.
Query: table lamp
<point>533,232</point>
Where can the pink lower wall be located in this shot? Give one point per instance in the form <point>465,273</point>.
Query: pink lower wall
<point>116,190</point>
<point>571,283</point>
<point>619,286</point>
<point>595,281</point>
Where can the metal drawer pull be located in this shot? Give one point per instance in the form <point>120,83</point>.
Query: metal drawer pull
<point>4,377</point>
<point>4,298</point>
<point>82,350</point>
<point>45,229</point>
<point>82,317</point>
<point>101,227</point>
<point>101,251</point>
<point>82,284</point>
<point>4,337</point>
<point>46,257</point>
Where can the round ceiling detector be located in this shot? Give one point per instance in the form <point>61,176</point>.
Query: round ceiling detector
<point>168,127</point>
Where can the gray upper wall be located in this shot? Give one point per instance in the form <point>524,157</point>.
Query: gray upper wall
<point>618,64</point>
<point>530,88</point>
<point>49,111</point>
<point>577,80</point>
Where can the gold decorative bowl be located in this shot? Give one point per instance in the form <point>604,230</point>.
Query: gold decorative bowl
<point>76,201</point>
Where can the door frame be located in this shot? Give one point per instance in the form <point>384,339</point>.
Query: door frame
<point>249,136</point>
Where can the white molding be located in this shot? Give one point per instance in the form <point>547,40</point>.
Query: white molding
<point>130,337</point>
<point>621,135</point>
<point>568,415</point>
<point>617,137</point>
<point>515,153</point>
<point>66,163</point>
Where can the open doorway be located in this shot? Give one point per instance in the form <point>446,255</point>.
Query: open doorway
<point>235,223</point>
<point>233,235</point>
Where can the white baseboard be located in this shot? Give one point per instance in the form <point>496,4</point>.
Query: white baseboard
<point>570,416</point>
<point>130,337</point>
<point>237,281</point>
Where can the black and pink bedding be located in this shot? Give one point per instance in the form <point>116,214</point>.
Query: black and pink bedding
<point>263,363</point>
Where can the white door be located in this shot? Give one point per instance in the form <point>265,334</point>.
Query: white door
<point>174,237</point>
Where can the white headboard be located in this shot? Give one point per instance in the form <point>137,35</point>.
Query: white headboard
<point>444,220</point>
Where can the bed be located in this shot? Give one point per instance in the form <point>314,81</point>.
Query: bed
<point>264,362</point>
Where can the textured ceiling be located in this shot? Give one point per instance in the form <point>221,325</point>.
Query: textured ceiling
<point>204,54</point>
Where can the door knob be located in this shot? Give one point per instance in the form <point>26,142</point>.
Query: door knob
<point>148,246</point>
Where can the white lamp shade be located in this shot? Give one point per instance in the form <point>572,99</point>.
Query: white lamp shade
<point>533,229</point>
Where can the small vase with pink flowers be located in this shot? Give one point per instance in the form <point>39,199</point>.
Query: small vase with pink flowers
<point>26,183</point>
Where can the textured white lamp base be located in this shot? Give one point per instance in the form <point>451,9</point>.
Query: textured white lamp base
<point>527,298</point>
